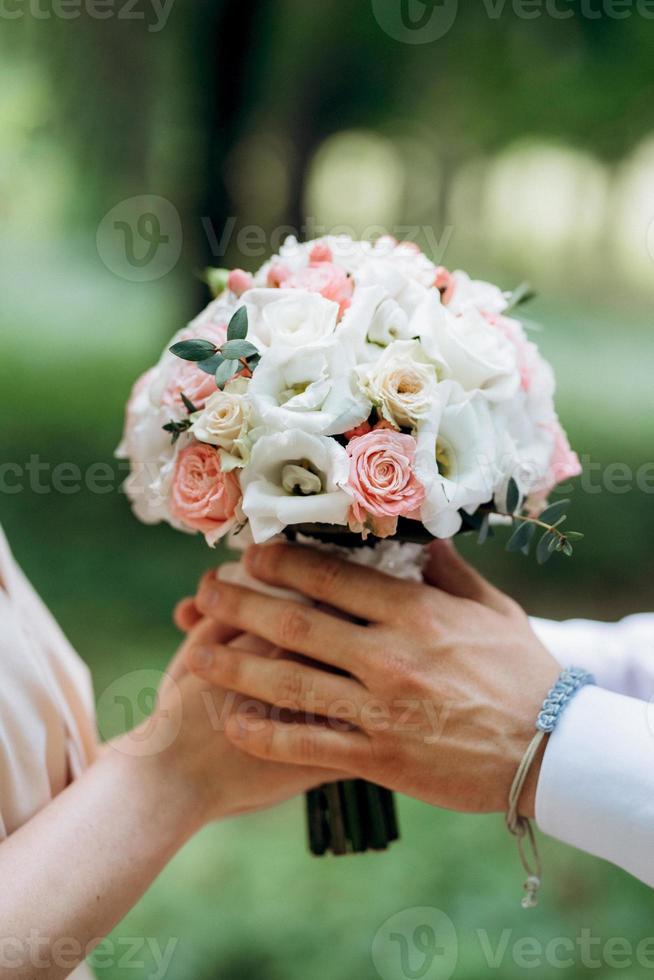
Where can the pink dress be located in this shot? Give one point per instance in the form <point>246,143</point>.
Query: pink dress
<point>47,727</point>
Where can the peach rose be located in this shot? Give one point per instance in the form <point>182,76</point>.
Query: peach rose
<point>202,496</point>
<point>382,480</point>
<point>325,278</point>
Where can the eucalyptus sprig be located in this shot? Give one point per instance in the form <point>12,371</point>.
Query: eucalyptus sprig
<point>527,526</point>
<point>236,354</point>
<point>176,428</point>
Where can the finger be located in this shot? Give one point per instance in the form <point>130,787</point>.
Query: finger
<point>446,570</point>
<point>281,682</point>
<point>205,633</point>
<point>300,745</point>
<point>290,625</point>
<point>362,592</point>
<point>186,615</point>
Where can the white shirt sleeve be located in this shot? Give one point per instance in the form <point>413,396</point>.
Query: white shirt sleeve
<point>596,786</point>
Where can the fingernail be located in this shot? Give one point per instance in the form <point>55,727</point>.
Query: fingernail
<point>202,658</point>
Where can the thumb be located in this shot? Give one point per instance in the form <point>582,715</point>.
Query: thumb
<point>446,570</point>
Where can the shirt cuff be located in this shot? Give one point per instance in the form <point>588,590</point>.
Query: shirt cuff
<point>596,785</point>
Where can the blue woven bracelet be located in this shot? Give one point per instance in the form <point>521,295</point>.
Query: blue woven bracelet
<point>569,682</point>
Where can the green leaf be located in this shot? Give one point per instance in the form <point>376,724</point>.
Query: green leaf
<point>226,371</point>
<point>512,497</point>
<point>216,280</point>
<point>567,548</point>
<point>253,362</point>
<point>554,512</point>
<point>574,536</point>
<point>521,294</point>
<point>544,549</point>
<point>485,531</point>
<point>188,405</point>
<point>238,325</point>
<point>236,349</point>
<point>194,350</point>
<point>211,365</point>
<point>522,537</point>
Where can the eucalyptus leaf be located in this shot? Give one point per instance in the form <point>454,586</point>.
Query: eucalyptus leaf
<point>188,405</point>
<point>236,349</point>
<point>521,537</point>
<point>543,551</point>
<point>194,350</point>
<point>554,512</point>
<point>226,371</point>
<point>512,497</point>
<point>567,548</point>
<point>574,536</point>
<point>211,365</point>
<point>521,294</point>
<point>485,531</point>
<point>238,325</point>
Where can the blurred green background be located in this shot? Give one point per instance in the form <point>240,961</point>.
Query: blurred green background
<point>519,145</point>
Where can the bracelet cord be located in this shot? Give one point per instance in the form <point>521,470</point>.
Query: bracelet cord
<point>569,682</point>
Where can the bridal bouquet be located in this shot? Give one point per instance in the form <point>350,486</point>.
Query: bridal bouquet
<point>355,394</point>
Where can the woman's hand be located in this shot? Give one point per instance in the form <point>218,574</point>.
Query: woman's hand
<point>208,777</point>
<point>445,679</point>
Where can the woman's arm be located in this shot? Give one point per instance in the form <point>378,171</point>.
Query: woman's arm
<point>74,870</point>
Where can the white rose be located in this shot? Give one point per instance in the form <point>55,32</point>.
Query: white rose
<point>224,422</point>
<point>288,317</point>
<point>295,478</point>
<point>314,389</point>
<point>402,383</point>
<point>477,354</point>
<point>476,294</point>
<point>456,461</point>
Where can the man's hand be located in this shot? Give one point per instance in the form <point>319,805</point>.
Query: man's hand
<point>444,680</point>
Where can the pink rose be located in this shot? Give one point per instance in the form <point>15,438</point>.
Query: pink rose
<point>325,278</point>
<point>203,497</point>
<point>196,384</point>
<point>186,376</point>
<point>239,281</point>
<point>564,464</point>
<point>321,252</point>
<point>445,284</point>
<point>277,275</point>
<point>382,480</point>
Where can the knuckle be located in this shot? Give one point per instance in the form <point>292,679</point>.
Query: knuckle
<point>292,688</point>
<point>294,626</point>
<point>327,577</point>
<point>228,669</point>
<point>270,559</point>
<point>307,747</point>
